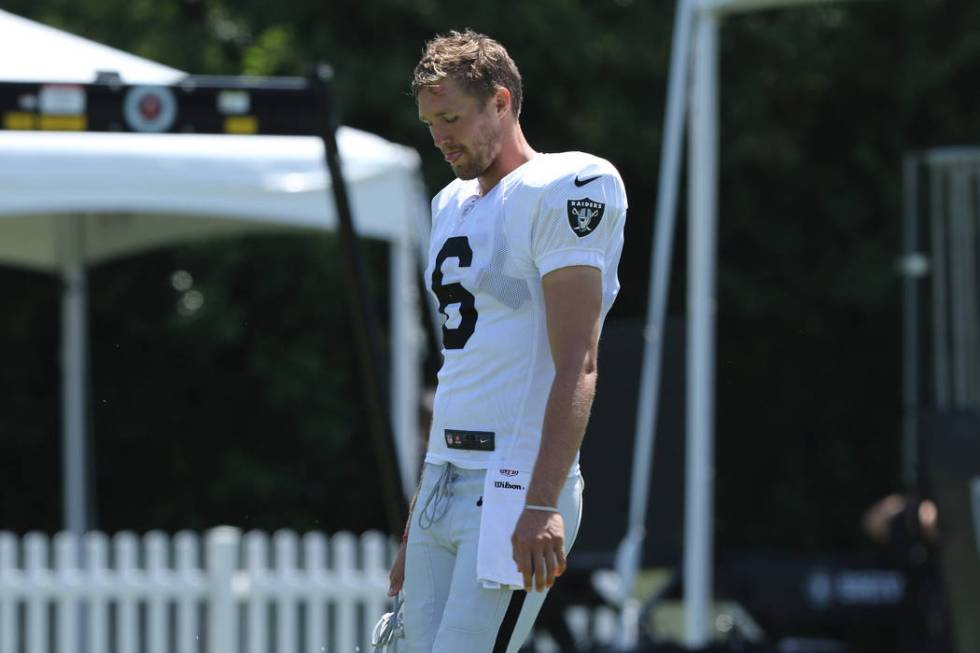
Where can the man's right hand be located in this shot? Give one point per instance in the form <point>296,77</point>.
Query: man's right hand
<point>396,577</point>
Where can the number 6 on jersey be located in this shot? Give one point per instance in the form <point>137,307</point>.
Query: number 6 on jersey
<point>457,247</point>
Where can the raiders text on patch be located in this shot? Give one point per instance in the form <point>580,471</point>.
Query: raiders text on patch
<point>584,215</point>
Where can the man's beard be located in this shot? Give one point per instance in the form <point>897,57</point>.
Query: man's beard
<point>480,157</point>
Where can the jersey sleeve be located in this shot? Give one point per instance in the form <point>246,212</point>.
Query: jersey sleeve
<point>579,222</point>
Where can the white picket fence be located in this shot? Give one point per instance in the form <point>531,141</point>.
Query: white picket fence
<point>221,593</point>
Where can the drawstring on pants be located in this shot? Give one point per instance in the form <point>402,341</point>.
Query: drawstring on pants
<point>437,503</point>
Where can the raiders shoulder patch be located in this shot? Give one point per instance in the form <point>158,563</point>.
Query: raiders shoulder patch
<point>584,215</point>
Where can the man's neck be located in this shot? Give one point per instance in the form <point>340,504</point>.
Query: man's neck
<point>514,152</point>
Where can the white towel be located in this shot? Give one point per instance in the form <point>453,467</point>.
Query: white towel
<point>503,502</point>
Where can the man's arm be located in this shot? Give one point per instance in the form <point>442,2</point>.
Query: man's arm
<point>573,305</point>
<point>396,576</point>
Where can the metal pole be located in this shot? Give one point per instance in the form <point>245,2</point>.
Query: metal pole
<point>700,351</point>
<point>630,549</point>
<point>971,297</point>
<point>958,212</point>
<point>940,351</point>
<point>404,343</point>
<point>74,342</point>
<point>363,319</point>
<point>910,332</point>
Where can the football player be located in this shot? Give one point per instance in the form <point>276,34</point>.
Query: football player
<point>522,263</point>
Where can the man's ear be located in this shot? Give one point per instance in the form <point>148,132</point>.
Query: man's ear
<point>501,101</point>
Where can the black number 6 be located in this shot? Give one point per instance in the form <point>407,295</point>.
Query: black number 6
<point>457,247</point>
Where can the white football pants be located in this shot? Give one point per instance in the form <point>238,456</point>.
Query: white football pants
<point>446,610</point>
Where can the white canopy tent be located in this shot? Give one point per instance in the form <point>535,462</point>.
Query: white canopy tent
<point>68,200</point>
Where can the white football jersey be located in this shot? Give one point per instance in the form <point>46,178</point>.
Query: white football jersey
<point>487,256</point>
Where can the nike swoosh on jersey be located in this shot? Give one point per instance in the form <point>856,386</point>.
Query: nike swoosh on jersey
<point>587,180</point>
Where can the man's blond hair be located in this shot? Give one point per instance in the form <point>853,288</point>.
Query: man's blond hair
<point>476,62</point>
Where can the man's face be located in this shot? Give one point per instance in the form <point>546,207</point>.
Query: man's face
<point>466,130</point>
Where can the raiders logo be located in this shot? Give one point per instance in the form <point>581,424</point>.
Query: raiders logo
<point>584,215</point>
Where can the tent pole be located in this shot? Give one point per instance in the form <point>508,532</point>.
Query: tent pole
<point>630,556</point>
<point>404,357</point>
<point>74,340</point>
<point>702,262</point>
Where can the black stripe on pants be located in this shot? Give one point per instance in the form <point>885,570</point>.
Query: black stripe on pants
<point>510,621</point>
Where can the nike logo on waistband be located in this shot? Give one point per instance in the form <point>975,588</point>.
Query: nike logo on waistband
<point>587,180</point>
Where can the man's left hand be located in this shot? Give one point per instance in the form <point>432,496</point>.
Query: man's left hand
<point>539,548</point>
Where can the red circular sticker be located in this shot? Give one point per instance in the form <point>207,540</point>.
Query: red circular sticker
<point>150,108</point>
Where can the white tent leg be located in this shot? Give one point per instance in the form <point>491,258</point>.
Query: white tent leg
<point>74,341</point>
<point>404,360</point>
<point>702,200</point>
<point>629,556</point>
